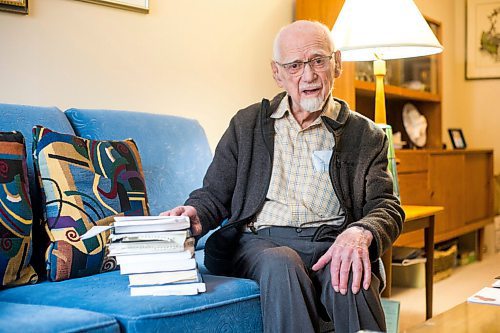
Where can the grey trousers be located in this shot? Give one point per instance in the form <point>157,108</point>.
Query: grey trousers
<point>293,297</point>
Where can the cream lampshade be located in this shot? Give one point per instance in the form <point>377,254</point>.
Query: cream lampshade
<point>381,30</point>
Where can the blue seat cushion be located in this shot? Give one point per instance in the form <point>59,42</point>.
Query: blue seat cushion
<point>47,319</point>
<point>228,305</point>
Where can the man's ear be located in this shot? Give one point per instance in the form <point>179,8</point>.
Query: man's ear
<point>338,64</point>
<point>276,75</point>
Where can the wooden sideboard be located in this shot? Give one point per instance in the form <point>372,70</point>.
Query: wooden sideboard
<point>459,180</point>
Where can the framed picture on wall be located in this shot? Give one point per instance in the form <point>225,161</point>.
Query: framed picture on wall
<point>457,138</point>
<point>141,6</point>
<point>14,6</point>
<point>482,55</point>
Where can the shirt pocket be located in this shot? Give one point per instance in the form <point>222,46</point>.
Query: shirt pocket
<point>321,160</point>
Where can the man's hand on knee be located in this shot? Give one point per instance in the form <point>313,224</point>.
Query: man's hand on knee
<point>190,212</point>
<point>349,251</point>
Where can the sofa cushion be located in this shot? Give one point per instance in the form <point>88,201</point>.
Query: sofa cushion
<point>85,182</point>
<point>47,319</point>
<point>16,217</point>
<point>175,152</point>
<point>22,118</point>
<point>228,305</point>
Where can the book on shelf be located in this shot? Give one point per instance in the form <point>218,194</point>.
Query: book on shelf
<point>159,278</point>
<point>169,289</point>
<point>487,295</point>
<point>158,266</point>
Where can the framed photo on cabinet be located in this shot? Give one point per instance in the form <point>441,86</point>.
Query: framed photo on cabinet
<point>482,49</point>
<point>457,138</point>
<point>141,6</point>
<point>14,6</point>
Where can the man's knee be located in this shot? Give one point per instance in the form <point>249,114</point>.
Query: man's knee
<point>280,259</point>
<point>327,287</point>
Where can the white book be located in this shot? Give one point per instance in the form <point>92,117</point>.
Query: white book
<point>131,224</point>
<point>163,278</point>
<point>168,236</point>
<point>486,295</point>
<point>169,289</point>
<point>152,257</point>
<point>130,248</point>
<point>146,218</point>
<point>163,266</point>
<point>140,224</point>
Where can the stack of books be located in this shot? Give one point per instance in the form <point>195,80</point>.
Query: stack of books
<point>157,254</point>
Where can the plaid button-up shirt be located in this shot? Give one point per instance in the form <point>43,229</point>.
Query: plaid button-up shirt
<point>300,192</point>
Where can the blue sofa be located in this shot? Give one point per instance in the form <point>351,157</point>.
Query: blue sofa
<point>175,155</point>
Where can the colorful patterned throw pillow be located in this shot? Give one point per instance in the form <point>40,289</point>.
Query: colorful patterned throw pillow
<point>84,183</point>
<point>16,216</point>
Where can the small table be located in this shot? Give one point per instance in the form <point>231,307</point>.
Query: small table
<point>463,318</point>
<point>417,217</point>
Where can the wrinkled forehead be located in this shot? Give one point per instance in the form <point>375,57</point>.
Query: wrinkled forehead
<point>304,40</point>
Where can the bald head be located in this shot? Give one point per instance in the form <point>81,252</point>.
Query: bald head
<point>292,32</point>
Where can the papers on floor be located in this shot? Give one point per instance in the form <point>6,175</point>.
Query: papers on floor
<point>156,252</point>
<point>405,256</point>
<point>486,295</point>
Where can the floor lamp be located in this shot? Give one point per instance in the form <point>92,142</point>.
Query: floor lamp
<point>379,30</point>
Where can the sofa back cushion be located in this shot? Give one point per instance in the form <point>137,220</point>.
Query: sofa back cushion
<point>16,216</point>
<point>84,183</point>
<point>22,118</point>
<point>175,151</point>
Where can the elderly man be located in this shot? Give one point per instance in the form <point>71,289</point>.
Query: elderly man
<point>304,185</point>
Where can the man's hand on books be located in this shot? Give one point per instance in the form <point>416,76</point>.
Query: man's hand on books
<point>190,212</point>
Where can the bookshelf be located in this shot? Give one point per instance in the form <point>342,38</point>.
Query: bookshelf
<point>356,84</point>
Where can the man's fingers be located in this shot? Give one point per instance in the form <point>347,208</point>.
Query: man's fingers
<point>367,267</point>
<point>357,273</point>
<point>196,228</point>
<point>322,261</point>
<point>335,271</point>
<point>345,267</point>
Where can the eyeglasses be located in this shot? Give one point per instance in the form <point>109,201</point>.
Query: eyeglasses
<point>318,64</point>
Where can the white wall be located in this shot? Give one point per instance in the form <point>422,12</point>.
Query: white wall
<point>472,105</point>
<point>196,58</point>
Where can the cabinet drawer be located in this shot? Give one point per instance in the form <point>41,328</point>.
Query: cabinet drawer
<point>409,162</point>
<point>414,188</point>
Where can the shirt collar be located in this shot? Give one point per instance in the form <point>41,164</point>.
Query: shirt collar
<point>331,110</point>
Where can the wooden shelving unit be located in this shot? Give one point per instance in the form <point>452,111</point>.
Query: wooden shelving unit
<point>360,94</point>
<point>363,88</point>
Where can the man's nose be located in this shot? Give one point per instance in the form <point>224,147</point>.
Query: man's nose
<point>309,74</point>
